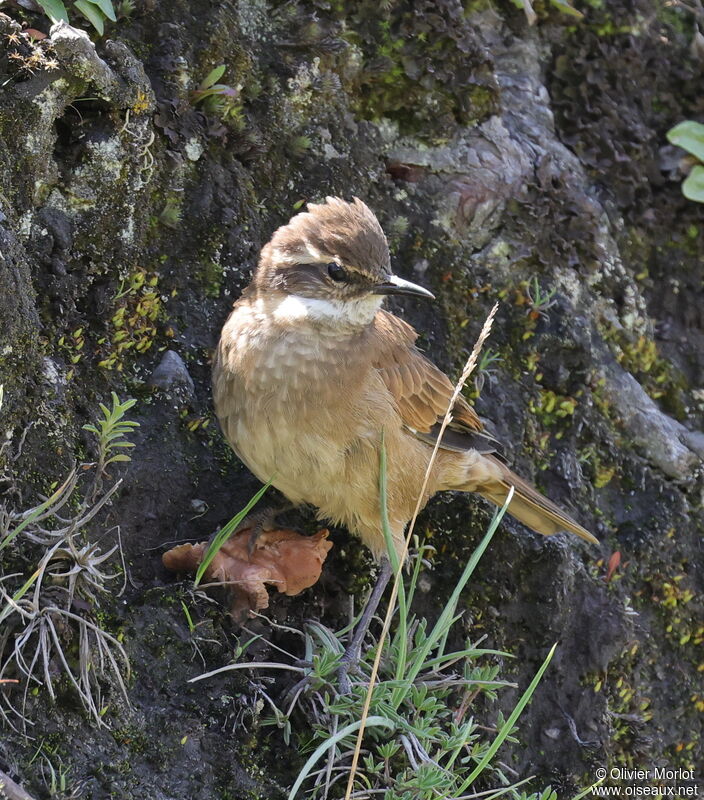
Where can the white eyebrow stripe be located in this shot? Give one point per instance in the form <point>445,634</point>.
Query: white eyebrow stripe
<point>313,251</point>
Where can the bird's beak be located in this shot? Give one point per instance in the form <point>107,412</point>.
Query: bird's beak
<point>395,285</point>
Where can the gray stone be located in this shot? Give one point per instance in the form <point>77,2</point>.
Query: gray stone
<point>171,375</point>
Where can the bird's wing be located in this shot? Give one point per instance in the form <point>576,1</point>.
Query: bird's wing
<point>422,392</point>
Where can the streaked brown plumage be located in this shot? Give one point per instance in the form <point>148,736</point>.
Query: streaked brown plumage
<point>310,370</point>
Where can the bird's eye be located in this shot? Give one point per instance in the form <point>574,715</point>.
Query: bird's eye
<point>336,272</point>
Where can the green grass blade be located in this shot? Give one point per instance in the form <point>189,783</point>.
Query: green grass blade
<point>474,560</point>
<point>327,638</point>
<point>588,790</point>
<point>19,594</point>
<point>410,593</point>
<point>444,622</point>
<point>189,618</point>
<point>383,498</point>
<point>509,724</point>
<point>224,533</point>
<point>470,652</point>
<point>505,790</point>
<point>372,722</point>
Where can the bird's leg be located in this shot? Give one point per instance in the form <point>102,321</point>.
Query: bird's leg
<point>352,653</point>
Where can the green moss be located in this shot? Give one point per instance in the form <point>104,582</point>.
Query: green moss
<point>676,17</point>
<point>210,276</point>
<point>641,357</point>
<point>135,739</point>
<point>551,407</point>
<point>422,72</point>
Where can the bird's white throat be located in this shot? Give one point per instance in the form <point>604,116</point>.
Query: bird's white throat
<point>356,313</point>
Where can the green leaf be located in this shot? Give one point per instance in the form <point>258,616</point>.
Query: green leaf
<point>402,637</point>
<point>201,94</point>
<point>189,618</point>
<point>92,14</point>
<point>688,135</point>
<point>54,9</point>
<point>566,8</point>
<point>118,457</point>
<point>106,7</point>
<point>693,186</point>
<point>224,533</point>
<point>212,77</point>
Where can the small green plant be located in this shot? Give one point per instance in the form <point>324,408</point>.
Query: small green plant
<point>138,306</point>
<point>486,369</point>
<point>47,625</point>
<point>539,301</point>
<point>125,9</point>
<point>171,214</point>
<point>421,739</point>
<point>95,11</point>
<point>112,432</point>
<point>58,782</point>
<point>220,99</point>
<point>403,728</point>
<point>298,146</point>
<point>689,135</point>
<point>550,407</point>
<point>536,301</point>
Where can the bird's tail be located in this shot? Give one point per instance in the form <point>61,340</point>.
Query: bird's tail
<point>528,505</point>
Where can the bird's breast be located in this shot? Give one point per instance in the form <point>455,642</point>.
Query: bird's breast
<point>287,398</point>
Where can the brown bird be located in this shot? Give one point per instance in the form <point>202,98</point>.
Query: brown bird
<point>310,370</point>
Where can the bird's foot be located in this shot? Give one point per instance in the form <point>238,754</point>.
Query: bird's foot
<point>259,522</point>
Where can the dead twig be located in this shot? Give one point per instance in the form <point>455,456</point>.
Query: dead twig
<point>11,790</point>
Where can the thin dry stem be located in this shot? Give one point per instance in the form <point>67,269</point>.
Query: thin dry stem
<point>12,790</point>
<point>466,372</point>
<point>43,622</point>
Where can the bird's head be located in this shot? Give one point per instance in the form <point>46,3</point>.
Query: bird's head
<point>331,263</point>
